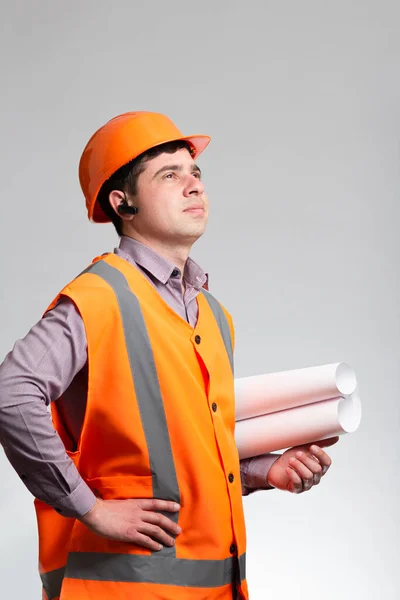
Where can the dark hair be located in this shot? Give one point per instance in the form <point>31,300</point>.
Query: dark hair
<point>126,178</point>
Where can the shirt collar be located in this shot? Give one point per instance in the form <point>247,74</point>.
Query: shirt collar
<point>194,274</point>
<point>158,266</point>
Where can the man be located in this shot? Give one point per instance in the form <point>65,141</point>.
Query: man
<point>137,479</point>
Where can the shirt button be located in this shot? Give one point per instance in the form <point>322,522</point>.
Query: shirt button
<point>214,406</point>
<point>197,339</point>
<point>231,478</point>
<point>175,273</point>
<point>232,549</point>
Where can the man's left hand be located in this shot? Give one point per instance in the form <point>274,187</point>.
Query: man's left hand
<point>300,468</point>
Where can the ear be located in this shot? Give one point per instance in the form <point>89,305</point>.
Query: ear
<point>115,198</point>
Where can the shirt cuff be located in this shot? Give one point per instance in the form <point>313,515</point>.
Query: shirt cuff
<point>254,473</point>
<point>76,504</point>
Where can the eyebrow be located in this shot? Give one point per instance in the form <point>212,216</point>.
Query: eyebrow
<point>195,169</point>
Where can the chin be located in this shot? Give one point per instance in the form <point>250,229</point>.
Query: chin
<point>191,235</point>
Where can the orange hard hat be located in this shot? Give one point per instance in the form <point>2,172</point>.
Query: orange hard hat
<point>121,140</point>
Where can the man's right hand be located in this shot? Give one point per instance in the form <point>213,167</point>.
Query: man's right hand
<point>133,521</point>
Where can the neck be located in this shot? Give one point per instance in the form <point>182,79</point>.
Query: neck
<point>177,254</point>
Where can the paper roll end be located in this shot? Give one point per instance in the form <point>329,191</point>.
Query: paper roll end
<point>349,414</point>
<point>346,381</point>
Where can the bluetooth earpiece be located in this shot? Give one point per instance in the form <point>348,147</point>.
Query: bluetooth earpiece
<point>126,209</point>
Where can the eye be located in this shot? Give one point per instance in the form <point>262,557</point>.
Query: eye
<point>171,175</point>
<point>196,174</point>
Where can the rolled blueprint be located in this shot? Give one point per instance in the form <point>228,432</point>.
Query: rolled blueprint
<point>296,426</point>
<point>264,394</point>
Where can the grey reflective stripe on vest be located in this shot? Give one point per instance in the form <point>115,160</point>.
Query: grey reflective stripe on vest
<point>52,582</point>
<point>242,566</point>
<point>148,393</point>
<point>145,379</point>
<point>152,569</point>
<point>222,324</point>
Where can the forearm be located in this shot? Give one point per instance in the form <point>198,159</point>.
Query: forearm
<point>38,456</point>
<point>254,473</point>
<point>37,371</point>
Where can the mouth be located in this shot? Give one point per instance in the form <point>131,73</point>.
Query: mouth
<point>195,209</point>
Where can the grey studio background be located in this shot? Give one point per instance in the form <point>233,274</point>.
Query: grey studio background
<point>302,102</point>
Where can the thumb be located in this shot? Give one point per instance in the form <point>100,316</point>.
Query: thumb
<point>326,443</point>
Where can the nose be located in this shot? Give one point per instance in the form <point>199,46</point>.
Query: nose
<point>193,186</point>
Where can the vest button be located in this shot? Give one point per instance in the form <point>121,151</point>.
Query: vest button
<point>214,406</point>
<point>197,339</point>
<point>232,549</point>
<point>231,478</point>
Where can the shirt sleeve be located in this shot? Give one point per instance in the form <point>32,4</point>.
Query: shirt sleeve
<point>254,473</point>
<point>37,371</point>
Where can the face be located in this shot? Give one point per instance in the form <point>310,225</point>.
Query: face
<point>171,200</point>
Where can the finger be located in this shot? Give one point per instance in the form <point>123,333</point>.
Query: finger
<point>310,461</point>
<point>295,484</point>
<point>156,533</point>
<point>162,521</point>
<point>323,458</point>
<point>145,541</point>
<point>317,478</point>
<point>155,504</point>
<point>303,471</point>
<point>323,468</point>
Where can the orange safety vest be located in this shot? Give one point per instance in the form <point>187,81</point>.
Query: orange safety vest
<point>159,423</point>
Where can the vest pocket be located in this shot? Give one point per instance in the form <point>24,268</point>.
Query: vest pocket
<point>122,487</point>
